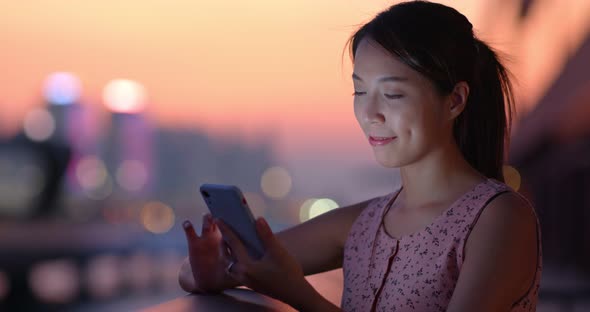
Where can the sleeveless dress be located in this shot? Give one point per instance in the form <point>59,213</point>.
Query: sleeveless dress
<point>419,271</point>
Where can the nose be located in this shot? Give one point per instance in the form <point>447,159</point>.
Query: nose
<point>373,112</point>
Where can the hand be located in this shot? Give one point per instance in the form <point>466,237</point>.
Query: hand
<point>208,258</point>
<point>276,274</point>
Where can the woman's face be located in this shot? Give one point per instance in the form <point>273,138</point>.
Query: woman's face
<point>395,102</point>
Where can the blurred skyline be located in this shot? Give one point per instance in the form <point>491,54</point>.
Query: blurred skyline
<point>257,94</point>
<point>249,70</point>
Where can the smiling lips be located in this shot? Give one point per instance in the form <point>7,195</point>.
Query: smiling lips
<point>376,141</point>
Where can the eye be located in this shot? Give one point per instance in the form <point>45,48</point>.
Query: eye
<point>393,96</point>
<point>355,93</point>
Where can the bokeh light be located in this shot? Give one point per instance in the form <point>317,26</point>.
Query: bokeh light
<point>94,178</point>
<point>157,217</point>
<point>321,206</point>
<point>276,182</point>
<point>39,125</point>
<point>91,172</point>
<point>103,276</point>
<point>62,88</point>
<point>132,175</point>
<point>304,209</point>
<point>55,281</point>
<point>102,192</point>
<point>124,96</point>
<point>139,271</point>
<point>512,177</point>
<point>169,262</point>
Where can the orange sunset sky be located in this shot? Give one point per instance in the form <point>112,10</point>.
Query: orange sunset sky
<point>246,68</point>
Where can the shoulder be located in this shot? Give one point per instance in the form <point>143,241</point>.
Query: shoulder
<point>507,216</point>
<point>508,211</point>
<point>501,254</point>
<point>504,240</point>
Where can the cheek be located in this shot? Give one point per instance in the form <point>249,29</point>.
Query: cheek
<point>357,113</point>
<point>403,121</point>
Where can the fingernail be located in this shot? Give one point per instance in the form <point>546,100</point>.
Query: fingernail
<point>186,224</point>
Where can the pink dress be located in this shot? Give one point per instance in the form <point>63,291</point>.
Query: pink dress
<point>419,271</point>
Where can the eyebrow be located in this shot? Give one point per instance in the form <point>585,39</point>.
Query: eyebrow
<point>382,79</point>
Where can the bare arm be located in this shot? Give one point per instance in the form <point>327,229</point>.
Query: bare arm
<point>500,257</point>
<point>317,244</point>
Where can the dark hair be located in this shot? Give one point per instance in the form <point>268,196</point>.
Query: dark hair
<point>438,42</point>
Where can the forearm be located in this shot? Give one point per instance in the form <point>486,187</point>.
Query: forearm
<point>313,256</point>
<point>318,244</point>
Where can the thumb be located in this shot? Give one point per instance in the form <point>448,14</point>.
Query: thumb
<point>269,240</point>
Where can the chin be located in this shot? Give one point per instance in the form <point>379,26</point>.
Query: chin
<point>388,162</point>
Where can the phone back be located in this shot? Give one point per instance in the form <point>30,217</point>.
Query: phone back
<point>227,203</point>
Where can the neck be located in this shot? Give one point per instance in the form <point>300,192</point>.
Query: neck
<point>441,175</point>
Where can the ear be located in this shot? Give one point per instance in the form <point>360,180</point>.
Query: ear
<point>458,99</point>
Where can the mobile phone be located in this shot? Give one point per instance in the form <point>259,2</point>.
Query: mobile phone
<point>226,202</point>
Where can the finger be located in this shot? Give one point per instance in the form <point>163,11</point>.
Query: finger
<point>214,229</point>
<point>238,249</point>
<point>269,240</point>
<point>189,231</point>
<point>206,227</point>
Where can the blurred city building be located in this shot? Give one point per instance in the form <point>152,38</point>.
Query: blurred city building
<point>83,199</point>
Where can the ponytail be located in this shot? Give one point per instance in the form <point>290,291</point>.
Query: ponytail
<point>482,130</point>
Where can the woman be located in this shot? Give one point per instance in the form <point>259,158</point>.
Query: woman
<point>434,101</point>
